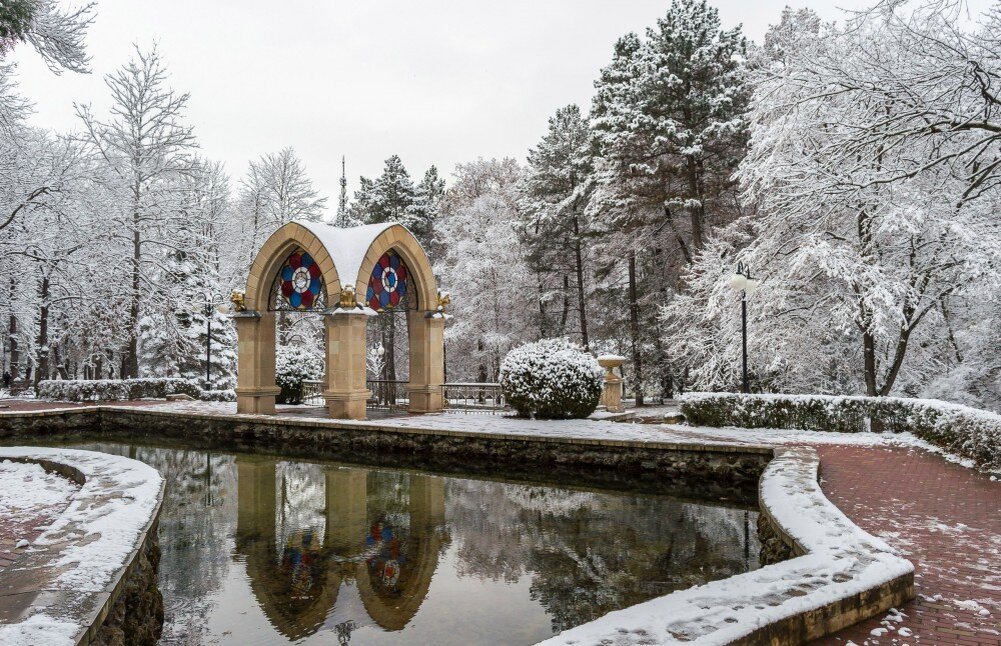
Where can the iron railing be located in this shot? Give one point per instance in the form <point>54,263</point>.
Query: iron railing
<point>391,394</point>
<point>475,397</point>
<point>312,392</point>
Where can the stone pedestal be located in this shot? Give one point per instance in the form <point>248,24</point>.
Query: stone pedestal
<point>255,384</point>
<point>611,394</point>
<point>345,391</point>
<point>427,362</point>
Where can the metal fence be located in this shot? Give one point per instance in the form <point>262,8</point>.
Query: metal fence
<point>312,392</point>
<point>391,395</point>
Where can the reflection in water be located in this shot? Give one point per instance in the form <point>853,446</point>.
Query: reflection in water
<point>257,550</point>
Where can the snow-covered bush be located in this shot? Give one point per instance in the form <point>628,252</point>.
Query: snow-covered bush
<point>969,432</point>
<point>217,395</point>
<point>293,365</point>
<point>551,379</point>
<point>80,390</point>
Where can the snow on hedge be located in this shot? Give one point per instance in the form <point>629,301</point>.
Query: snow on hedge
<point>839,561</point>
<point>81,553</point>
<point>81,390</point>
<point>551,379</point>
<point>968,432</point>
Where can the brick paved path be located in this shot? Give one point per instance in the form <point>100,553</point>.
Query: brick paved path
<point>946,519</point>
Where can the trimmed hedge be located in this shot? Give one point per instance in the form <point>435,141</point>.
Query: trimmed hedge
<point>217,395</point>
<point>82,390</point>
<point>969,432</point>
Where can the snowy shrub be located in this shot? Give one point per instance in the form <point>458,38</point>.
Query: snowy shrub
<point>551,379</point>
<point>293,365</point>
<point>971,433</point>
<point>80,390</point>
<point>217,395</point>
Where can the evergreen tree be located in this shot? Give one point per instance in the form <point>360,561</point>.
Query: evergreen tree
<point>427,208</point>
<point>669,132</point>
<point>553,227</point>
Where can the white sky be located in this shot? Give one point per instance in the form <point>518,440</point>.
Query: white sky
<point>436,81</point>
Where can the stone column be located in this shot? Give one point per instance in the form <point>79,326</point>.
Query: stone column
<point>611,394</point>
<point>427,362</point>
<point>347,510</point>
<point>346,393</point>
<point>255,383</point>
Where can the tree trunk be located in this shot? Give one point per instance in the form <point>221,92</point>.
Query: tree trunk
<point>698,214</point>
<point>43,332</point>
<point>869,360</point>
<point>130,366</point>
<point>566,305</point>
<point>581,301</point>
<point>634,329</point>
<point>15,354</point>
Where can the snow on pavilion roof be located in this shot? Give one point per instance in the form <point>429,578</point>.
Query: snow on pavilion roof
<point>347,247</point>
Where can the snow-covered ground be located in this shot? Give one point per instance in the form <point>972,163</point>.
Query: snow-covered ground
<point>80,553</point>
<point>27,490</point>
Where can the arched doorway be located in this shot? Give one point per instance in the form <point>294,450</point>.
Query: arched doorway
<point>338,273</point>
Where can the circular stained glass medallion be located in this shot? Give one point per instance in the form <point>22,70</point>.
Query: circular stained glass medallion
<point>300,280</point>
<point>387,286</point>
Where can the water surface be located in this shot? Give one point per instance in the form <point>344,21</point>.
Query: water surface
<point>262,549</point>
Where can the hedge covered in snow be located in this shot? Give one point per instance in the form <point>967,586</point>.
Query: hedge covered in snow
<point>551,379</point>
<point>293,365</point>
<point>85,390</point>
<point>971,433</point>
<point>217,395</point>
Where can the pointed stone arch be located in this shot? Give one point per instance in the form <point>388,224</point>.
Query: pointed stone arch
<point>348,255</point>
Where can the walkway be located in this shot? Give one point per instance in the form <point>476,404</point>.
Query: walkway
<point>30,500</point>
<point>946,519</point>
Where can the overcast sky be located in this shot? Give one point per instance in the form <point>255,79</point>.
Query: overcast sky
<point>437,82</point>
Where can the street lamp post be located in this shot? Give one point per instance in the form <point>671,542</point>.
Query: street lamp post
<point>742,281</point>
<point>211,300</point>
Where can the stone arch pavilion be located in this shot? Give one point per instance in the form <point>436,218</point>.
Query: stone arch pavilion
<point>315,267</point>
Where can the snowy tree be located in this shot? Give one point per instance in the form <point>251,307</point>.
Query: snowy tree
<point>554,192</point>
<point>56,34</point>
<point>393,197</point>
<point>669,131</point>
<point>147,146</point>
<point>484,269</point>
<point>863,244</point>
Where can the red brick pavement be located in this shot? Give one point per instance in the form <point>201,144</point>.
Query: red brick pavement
<point>946,519</point>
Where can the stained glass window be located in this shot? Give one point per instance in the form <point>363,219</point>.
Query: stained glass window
<point>299,285</point>
<point>387,286</point>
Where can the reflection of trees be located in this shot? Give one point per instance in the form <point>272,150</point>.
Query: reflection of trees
<point>199,507</point>
<point>589,554</point>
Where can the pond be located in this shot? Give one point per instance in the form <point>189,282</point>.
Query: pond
<point>263,549</point>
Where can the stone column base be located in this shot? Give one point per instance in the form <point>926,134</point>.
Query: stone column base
<point>425,399</point>
<point>347,405</point>
<point>256,401</point>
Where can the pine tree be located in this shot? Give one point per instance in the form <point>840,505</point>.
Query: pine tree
<point>553,227</point>
<point>426,208</point>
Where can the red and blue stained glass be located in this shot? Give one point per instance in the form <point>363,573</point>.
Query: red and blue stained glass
<point>387,286</point>
<point>300,285</point>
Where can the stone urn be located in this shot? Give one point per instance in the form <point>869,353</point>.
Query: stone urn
<point>611,393</point>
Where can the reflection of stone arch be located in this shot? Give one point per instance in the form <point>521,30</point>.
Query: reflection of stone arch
<point>342,555</point>
<point>294,615</point>
<point>348,254</point>
<point>427,515</point>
